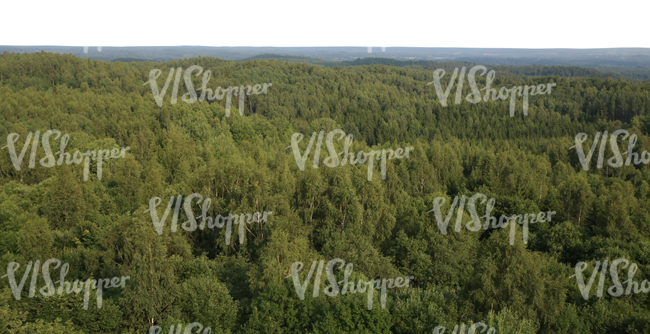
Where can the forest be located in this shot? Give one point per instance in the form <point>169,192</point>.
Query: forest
<point>103,228</point>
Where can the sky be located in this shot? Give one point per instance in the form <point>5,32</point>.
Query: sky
<point>459,23</point>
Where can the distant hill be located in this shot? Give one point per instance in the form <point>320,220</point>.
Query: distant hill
<point>292,59</point>
<point>517,71</point>
<point>129,60</point>
<point>625,62</point>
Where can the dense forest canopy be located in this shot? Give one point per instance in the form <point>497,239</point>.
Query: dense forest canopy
<point>102,228</point>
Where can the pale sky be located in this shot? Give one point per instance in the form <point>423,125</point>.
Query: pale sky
<point>286,23</point>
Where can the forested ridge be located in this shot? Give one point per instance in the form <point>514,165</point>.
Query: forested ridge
<point>101,227</point>
<point>525,70</point>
